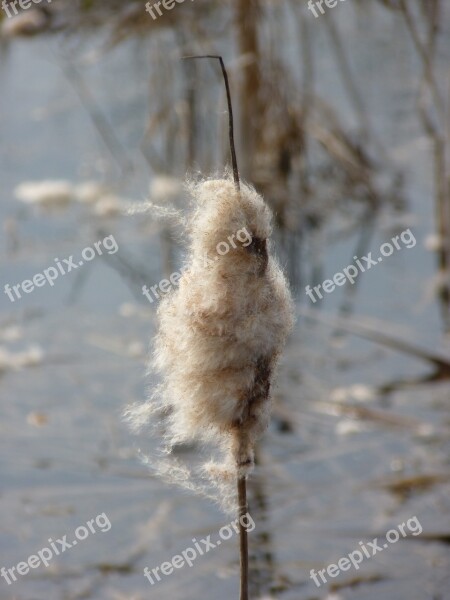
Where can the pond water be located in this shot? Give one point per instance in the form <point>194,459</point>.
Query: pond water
<point>351,453</point>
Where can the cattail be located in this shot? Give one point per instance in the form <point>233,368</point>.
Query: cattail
<point>220,335</point>
<point>222,330</point>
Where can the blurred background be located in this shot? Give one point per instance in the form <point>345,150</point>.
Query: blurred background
<point>343,123</point>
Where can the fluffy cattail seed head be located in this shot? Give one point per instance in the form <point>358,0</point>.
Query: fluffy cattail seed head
<point>222,331</point>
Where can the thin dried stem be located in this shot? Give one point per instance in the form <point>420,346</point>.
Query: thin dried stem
<point>243,539</point>
<point>230,116</point>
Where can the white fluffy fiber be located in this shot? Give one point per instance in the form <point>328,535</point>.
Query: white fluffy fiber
<point>220,334</point>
